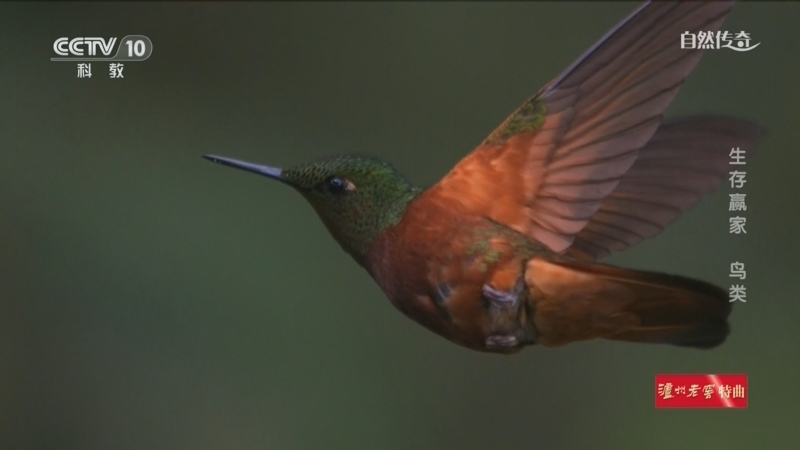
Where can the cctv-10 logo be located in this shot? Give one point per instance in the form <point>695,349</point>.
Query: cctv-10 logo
<point>130,48</point>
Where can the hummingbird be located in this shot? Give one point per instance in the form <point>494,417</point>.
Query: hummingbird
<point>502,252</point>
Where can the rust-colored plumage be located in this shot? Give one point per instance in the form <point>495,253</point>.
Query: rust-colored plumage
<point>583,168</point>
<point>501,252</point>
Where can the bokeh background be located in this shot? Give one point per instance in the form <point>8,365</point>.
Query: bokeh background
<point>152,300</point>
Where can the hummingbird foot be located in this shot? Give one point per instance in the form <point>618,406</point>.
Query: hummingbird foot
<point>499,342</point>
<point>501,299</point>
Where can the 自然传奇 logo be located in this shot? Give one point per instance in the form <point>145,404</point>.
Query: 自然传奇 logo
<point>709,40</point>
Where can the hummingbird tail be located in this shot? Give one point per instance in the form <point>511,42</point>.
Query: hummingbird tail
<point>677,310</point>
<point>627,305</point>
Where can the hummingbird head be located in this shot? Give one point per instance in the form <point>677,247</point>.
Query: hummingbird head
<point>356,197</point>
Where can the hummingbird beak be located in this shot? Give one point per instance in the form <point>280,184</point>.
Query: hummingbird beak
<point>267,171</point>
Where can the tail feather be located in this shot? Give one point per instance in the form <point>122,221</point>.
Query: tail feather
<point>582,300</point>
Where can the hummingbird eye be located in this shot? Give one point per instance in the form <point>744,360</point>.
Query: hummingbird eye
<point>336,185</point>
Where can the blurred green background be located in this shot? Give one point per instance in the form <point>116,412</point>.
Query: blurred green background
<point>152,300</point>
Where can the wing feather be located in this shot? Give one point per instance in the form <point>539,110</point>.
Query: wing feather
<point>683,162</point>
<point>550,166</point>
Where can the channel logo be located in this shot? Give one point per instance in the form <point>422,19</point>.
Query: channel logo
<point>129,48</point>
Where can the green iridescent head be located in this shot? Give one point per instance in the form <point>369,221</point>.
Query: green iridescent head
<point>356,197</point>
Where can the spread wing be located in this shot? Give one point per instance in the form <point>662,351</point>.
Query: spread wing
<point>684,161</point>
<point>548,168</point>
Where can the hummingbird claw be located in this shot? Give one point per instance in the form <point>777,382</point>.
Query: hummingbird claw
<point>500,299</point>
<point>501,341</point>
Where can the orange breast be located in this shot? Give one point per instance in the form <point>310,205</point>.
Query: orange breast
<point>434,264</point>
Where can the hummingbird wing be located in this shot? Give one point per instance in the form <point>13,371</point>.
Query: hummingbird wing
<point>549,167</point>
<point>683,162</point>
